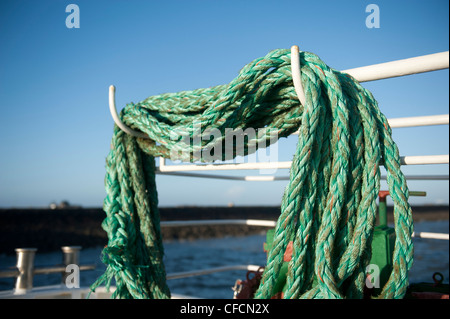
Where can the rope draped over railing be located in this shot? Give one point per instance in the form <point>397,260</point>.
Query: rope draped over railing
<point>328,209</point>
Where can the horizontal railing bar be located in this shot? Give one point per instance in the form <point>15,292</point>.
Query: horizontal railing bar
<point>201,272</point>
<point>424,177</point>
<point>59,269</point>
<point>249,222</point>
<point>430,235</point>
<point>49,270</point>
<point>404,160</point>
<point>213,176</point>
<point>207,271</point>
<point>8,273</point>
<point>264,223</point>
<point>424,159</point>
<point>420,64</point>
<point>430,120</point>
<point>396,122</point>
<point>425,63</point>
<point>271,178</point>
<point>227,177</point>
<point>415,121</point>
<point>232,166</point>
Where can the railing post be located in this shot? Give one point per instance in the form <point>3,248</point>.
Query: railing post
<point>25,265</point>
<point>71,255</point>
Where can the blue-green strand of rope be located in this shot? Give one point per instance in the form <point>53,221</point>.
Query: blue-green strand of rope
<point>329,205</point>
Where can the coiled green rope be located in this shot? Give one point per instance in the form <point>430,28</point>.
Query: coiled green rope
<point>328,208</point>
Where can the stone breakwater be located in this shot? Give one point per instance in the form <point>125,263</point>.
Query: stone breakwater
<point>48,230</point>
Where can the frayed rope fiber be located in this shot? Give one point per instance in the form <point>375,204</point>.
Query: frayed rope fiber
<point>329,205</point>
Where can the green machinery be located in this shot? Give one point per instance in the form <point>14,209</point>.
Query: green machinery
<point>382,248</point>
<point>383,245</point>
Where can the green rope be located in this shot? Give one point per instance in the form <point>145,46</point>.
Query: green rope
<point>328,208</point>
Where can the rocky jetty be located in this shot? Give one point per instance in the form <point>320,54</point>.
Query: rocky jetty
<point>49,229</point>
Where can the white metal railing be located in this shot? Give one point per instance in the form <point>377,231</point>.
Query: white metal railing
<point>397,122</point>
<point>254,222</point>
<point>272,178</point>
<point>426,63</point>
<point>404,160</point>
<point>267,223</point>
<point>398,68</point>
<point>249,222</point>
<point>416,65</point>
<point>421,64</point>
<point>208,271</point>
<point>394,123</point>
<point>415,121</point>
<point>24,271</point>
<point>430,235</point>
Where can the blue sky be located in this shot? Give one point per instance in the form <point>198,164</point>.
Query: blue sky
<point>55,127</point>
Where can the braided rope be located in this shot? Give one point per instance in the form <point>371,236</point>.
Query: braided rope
<point>329,206</point>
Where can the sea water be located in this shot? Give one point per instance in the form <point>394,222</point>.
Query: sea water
<point>430,256</point>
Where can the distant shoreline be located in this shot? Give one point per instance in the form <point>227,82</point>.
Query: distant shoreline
<point>49,229</point>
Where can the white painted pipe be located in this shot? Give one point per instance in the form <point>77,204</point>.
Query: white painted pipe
<point>212,176</point>
<point>221,167</point>
<point>431,235</point>
<point>421,64</point>
<point>250,222</point>
<point>419,121</point>
<point>296,76</point>
<point>201,272</point>
<point>404,160</point>
<point>286,178</point>
<point>415,121</point>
